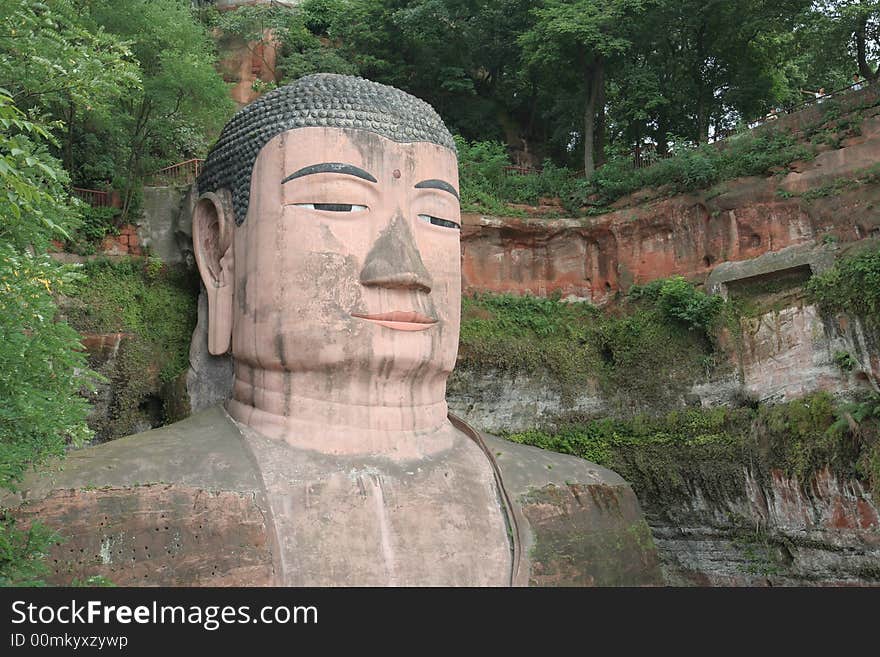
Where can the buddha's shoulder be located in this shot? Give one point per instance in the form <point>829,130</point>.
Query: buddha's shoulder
<point>526,468</point>
<point>176,506</point>
<point>578,522</point>
<point>204,451</point>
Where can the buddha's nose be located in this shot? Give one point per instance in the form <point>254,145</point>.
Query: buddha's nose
<point>394,260</point>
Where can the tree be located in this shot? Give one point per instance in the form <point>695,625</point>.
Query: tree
<point>581,37</point>
<point>183,102</point>
<point>866,16</point>
<point>698,67</point>
<point>53,64</point>
<point>848,34</point>
<point>299,50</point>
<point>42,364</point>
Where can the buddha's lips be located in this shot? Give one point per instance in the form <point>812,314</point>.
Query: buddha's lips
<point>399,320</point>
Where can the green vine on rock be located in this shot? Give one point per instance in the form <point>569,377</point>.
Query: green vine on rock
<point>579,346</point>
<point>667,457</point>
<point>852,286</point>
<point>154,307</point>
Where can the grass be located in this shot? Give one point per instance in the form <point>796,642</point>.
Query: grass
<point>580,346</point>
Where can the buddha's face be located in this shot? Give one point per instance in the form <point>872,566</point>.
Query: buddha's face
<point>348,260</point>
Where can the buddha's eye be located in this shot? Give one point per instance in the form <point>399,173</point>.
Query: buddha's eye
<point>437,221</point>
<point>332,207</point>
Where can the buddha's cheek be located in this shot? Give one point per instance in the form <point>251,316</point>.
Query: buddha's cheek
<point>298,312</point>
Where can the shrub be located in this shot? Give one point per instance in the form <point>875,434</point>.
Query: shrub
<point>143,297</point>
<point>42,367</point>
<point>487,187</point>
<point>579,346</point>
<point>851,286</point>
<point>691,169</point>
<point>680,301</point>
<point>96,224</point>
<point>664,456</point>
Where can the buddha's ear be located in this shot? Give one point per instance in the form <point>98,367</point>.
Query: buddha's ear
<point>212,243</point>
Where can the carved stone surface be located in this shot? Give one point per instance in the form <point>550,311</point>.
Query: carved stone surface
<point>177,506</point>
<point>207,502</point>
<point>322,100</point>
<point>327,236</point>
<point>582,523</point>
<point>156,534</point>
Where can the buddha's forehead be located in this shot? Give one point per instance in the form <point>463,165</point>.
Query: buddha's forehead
<point>301,147</point>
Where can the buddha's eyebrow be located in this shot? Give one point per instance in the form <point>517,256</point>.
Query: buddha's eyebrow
<point>438,184</point>
<point>331,167</point>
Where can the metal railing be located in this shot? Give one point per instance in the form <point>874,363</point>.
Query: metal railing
<point>182,173</point>
<point>645,156</point>
<point>780,111</point>
<point>94,197</point>
<point>520,171</point>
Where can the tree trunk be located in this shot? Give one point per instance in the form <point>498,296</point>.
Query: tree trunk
<point>861,50</point>
<point>702,120</point>
<point>68,141</point>
<point>593,75</point>
<point>599,136</point>
<point>704,92</point>
<point>138,140</point>
<point>660,135</point>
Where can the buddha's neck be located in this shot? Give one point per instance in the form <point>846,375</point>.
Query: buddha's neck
<point>343,413</point>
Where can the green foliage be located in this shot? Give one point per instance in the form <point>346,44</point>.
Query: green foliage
<point>42,367</point>
<point>806,435</point>
<point>39,359</point>
<point>155,306</point>
<point>597,440</point>
<point>141,297</point>
<point>183,101</point>
<point>844,360</point>
<point>662,457</point>
<point>666,456</point>
<point>696,168</point>
<point>679,300</point>
<point>54,61</point>
<point>143,93</point>
<point>579,347</point>
<point>133,82</point>
<point>486,187</point>
<point>58,65</point>
<point>23,552</point>
<point>524,316</point>
<point>481,172</point>
<point>858,427</point>
<point>867,176</point>
<point>31,177</point>
<point>851,286</point>
<point>96,224</point>
<point>826,50</point>
<point>527,333</point>
<point>573,42</point>
<point>293,30</point>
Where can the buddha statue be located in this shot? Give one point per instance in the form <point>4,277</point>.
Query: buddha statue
<point>326,233</point>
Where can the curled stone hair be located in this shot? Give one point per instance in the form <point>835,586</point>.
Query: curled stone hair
<point>321,100</point>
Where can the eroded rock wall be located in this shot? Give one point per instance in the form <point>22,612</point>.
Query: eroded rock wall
<point>778,532</point>
<point>650,235</point>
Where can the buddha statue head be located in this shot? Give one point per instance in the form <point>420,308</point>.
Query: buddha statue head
<point>327,236</point>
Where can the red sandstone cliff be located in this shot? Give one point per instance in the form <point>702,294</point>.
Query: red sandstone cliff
<point>687,235</point>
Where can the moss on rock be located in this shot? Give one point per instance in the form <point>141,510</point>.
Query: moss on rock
<point>154,306</point>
